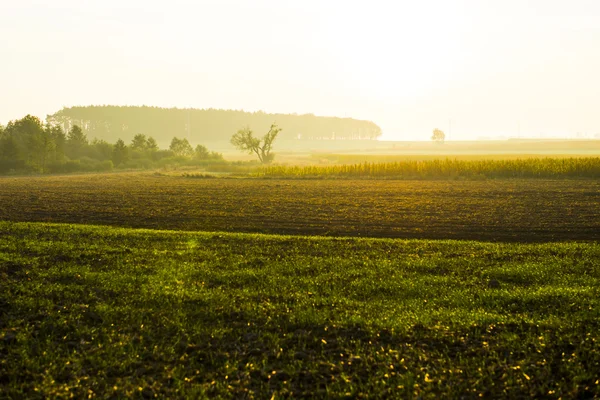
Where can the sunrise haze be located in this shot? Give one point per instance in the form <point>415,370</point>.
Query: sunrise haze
<point>472,68</point>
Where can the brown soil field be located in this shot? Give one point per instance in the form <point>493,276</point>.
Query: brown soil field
<point>492,210</point>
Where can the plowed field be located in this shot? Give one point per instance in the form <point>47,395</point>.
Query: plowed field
<point>493,210</point>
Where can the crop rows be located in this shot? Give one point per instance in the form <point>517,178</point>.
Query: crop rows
<point>493,210</point>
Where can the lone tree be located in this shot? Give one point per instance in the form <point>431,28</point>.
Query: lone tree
<point>438,136</point>
<point>244,140</point>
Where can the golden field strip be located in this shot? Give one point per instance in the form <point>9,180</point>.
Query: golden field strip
<point>490,210</point>
<point>522,168</point>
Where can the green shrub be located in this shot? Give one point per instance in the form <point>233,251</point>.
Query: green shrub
<point>104,166</point>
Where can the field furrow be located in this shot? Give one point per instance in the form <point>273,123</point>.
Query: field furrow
<point>494,210</point>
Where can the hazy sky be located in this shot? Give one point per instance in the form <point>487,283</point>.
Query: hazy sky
<point>491,67</point>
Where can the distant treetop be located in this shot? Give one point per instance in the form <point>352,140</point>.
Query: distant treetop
<point>210,125</point>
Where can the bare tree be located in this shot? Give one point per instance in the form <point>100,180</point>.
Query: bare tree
<point>244,140</point>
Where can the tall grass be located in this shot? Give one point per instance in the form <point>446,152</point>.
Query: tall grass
<point>349,158</point>
<point>447,168</point>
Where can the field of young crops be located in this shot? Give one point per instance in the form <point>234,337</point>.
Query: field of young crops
<point>449,168</point>
<point>490,210</point>
<point>99,312</point>
<point>114,312</point>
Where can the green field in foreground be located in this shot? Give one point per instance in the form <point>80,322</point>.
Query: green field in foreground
<point>110,312</point>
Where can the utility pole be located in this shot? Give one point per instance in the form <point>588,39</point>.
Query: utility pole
<point>189,125</point>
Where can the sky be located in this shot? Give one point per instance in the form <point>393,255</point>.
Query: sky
<point>472,68</point>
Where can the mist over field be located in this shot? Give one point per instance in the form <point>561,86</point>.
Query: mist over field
<point>472,69</point>
<point>316,199</point>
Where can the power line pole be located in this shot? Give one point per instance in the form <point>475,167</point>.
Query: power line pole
<point>189,125</point>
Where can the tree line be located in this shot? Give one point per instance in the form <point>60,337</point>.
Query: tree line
<point>206,126</point>
<point>29,146</point>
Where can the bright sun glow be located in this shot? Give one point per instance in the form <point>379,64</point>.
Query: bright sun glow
<point>510,68</point>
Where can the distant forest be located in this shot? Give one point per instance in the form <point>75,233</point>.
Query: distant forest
<point>28,146</point>
<point>206,126</point>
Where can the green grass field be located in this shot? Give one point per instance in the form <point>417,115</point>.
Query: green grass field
<point>220,306</point>
<point>106,312</point>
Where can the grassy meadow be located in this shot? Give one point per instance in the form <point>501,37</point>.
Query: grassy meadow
<point>90,311</point>
<point>155,285</point>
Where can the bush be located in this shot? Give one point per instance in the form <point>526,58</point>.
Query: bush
<point>104,166</point>
<point>11,165</point>
<point>172,161</point>
<point>162,154</point>
<point>64,167</point>
<point>140,163</point>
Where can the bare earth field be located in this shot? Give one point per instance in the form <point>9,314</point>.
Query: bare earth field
<point>492,210</point>
<point>90,311</point>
